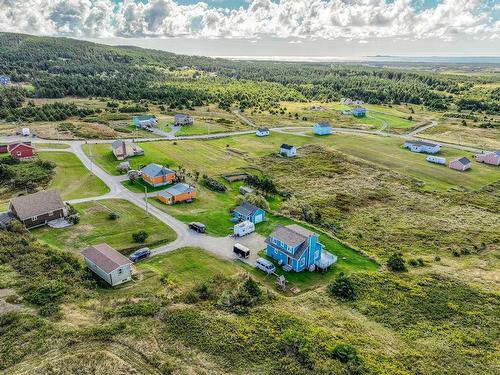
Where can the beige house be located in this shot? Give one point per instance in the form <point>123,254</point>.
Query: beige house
<point>108,263</point>
<point>122,149</point>
<point>34,210</point>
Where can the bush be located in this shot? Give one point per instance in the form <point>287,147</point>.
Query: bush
<point>51,310</point>
<point>16,226</point>
<point>342,288</point>
<point>139,309</point>
<point>74,219</point>
<point>113,216</point>
<point>213,184</point>
<point>396,263</point>
<point>252,288</point>
<point>140,236</point>
<point>345,353</point>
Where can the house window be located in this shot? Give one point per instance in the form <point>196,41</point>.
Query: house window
<point>34,218</point>
<point>276,251</point>
<point>302,261</point>
<point>18,153</point>
<point>120,271</point>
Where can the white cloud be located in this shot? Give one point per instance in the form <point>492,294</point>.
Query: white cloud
<point>304,19</point>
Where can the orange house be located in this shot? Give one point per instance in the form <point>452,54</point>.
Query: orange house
<point>157,175</point>
<point>178,193</point>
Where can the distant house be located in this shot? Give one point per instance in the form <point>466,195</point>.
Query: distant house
<point>178,193</point>
<point>322,128</point>
<point>21,150</point>
<point>147,121</point>
<point>249,212</point>
<point>109,264</point>
<point>492,158</point>
<point>288,150</point>
<point>262,132</point>
<point>183,119</point>
<point>122,149</point>
<point>4,80</point>
<point>298,249</point>
<point>246,190</point>
<point>460,164</point>
<point>422,146</point>
<point>34,210</point>
<point>359,111</point>
<point>348,101</point>
<point>157,175</point>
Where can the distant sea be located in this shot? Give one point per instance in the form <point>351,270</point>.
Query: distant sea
<point>378,58</point>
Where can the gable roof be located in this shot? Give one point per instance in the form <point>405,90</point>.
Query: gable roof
<point>323,125</point>
<point>156,170</point>
<point>145,117</point>
<point>42,202</point>
<point>463,160</point>
<point>182,116</point>
<point>422,143</point>
<point>177,189</point>
<point>11,147</point>
<point>105,257</point>
<point>288,236</point>
<point>246,209</point>
<point>287,147</point>
<point>263,129</point>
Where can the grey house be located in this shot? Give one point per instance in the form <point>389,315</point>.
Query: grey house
<point>183,119</point>
<point>34,210</point>
<point>288,150</point>
<point>108,264</point>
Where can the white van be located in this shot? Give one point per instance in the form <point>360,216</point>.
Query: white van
<point>244,228</point>
<point>265,265</point>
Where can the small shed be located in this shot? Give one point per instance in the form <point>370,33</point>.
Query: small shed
<point>262,132</point>
<point>288,150</point>
<point>181,192</point>
<point>322,128</point>
<point>460,164</point>
<point>359,111</point>
<point>21,150</point>
<point>109,264</point>
<point>247,211</point>
<point>246,190</point>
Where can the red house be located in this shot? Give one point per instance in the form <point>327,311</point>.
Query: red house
<point>4,148</point>
<point>21,150</point>
<point>492,158</point>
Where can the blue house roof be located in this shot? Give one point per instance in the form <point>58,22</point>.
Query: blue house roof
<point>156,170</point>
<point>323,125</point>
<point>177,189</point>
<point>247,209</point>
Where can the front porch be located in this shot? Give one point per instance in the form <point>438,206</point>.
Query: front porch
<point>326,260</point>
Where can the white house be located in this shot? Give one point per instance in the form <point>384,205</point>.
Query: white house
<point>288,150</point>
<point>108,263</point>
<point>262,132</point>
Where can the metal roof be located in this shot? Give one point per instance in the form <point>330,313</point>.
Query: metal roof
<point>323,125</point>
<point>246,209</point>
<point>156,170</point>
<point>105,257</point>
<point>177,189</point>
<point>423,143</point>
<point>287,147</point>
<point>463,160</point>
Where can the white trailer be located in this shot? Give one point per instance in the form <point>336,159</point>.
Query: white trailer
<point>436,159</point>
<point>25,132</point>
<point>244,228</point>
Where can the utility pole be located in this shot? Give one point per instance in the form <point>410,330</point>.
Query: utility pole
<point>146,199</point>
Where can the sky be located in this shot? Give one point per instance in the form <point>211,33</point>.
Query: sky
<point>287,29</point>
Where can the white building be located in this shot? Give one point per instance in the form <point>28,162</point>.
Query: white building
<point>288,150</point>
<point>108,263</point>
<point>262,132</point>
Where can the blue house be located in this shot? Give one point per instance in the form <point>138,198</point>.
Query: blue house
<point>247,211</point>
<point>4,80</point>
<point>359,111</point>
<point>298,249</point>
<point>422,146</point>
<point>145,121</point>
<point>323,128</point>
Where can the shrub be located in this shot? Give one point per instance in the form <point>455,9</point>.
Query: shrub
<point>51,310</point>
<point>113,216</point>
<point>140,236</point>
<point>74,219</point>
<point>139,309</point>
<point>396,263</point>
<point>342,287</point>
<point>16,226</point>
<point>437,258</point>
<point>345,353</point>
<point>213,184</point>
<point>252,288</point>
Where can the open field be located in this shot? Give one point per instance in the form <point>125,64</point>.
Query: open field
<point>61,146</point>
<point>95,227</point>
<point>72,179</point>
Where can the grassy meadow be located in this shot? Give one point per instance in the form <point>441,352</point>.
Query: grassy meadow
<point>95,227</point>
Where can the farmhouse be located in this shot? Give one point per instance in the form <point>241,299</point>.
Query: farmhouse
<point>249,212</point>
<point>34,210</point>
<point>178,193</point>
<point>288,150</point>
<point>122,149</point>
<point>492,158</point>
<point>183,119</point>
<point>359,111</point>
<point>460,164</point>
<point>322,128</point>
<point>298,249</point>
<point>147,121</point>
<point>21,150</point>
<point>262,132</point>
<point>4,80</point>
<point>108,264</point>
<point>422,146</point>
<point>157,175</point>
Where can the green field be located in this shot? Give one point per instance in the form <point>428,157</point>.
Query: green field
<point>95,227</point>
<point>72,179</point>
<point>61,146</point>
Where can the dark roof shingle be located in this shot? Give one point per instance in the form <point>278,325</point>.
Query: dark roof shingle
<point>37,204</point>
<point>105,257</point>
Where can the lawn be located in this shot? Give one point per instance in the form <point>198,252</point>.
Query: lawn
<point>72,179</point>
<point>61,146</point>
<point>95,227</point>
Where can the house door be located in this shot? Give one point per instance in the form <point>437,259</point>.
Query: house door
<point>289,261</point>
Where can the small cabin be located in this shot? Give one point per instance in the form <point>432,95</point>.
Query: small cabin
<point>108,264</point>
<point>262,132</point>
<point>21,150</point>
<point>181,192</point>
<point>461,164</point>
<point>322,128</point>
<point>249,212</point>
<point>288,150</point>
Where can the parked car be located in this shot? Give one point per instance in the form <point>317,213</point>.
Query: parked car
<point>140,254</point>
<point>134,171</point>
<point>241,251</point>
<point>265,265</point>
<point>198,227</point>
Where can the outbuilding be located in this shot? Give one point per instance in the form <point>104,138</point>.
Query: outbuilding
<point>492,158</point>
<point>436,159</point>
<point>262,132</point>
<point>322,128</point>
<point>21,150</point>
<point>249,212</point>
<point>34,210</point>
<point>288,150</point>
<point>109,264</point>
<point>460,164</point>
<point>181,192</point>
